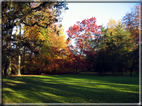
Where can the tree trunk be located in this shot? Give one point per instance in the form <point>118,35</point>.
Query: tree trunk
<point>23,63</point>
<point>7,70</point>
<point>6,67</point>
<point>112,68</point>
<point>121,63</point>
<point>76,69</point>
<point>132,67</point>
<point>131,70</point>
<point>19,61</point>
<point>121,67</point>
<point>99,68</point>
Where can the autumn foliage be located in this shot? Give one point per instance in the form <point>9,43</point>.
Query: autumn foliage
<point>80,36</point>
<point>34,43</point>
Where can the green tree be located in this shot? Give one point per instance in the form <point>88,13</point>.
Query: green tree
<point>116,46</point>
<point>134,60</point>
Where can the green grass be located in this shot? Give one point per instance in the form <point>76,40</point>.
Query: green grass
<point>71,89</point>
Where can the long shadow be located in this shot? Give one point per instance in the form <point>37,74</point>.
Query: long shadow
<point>49,90</point>
<point>111,79</point>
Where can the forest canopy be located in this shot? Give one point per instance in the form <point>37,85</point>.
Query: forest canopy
<point>33,41</point>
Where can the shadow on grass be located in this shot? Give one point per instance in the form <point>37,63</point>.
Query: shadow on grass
<point>69,89</point>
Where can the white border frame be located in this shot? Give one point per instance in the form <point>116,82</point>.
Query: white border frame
<point>82,1</point>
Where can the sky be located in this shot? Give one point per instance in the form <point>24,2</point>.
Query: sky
<point>102,11</point>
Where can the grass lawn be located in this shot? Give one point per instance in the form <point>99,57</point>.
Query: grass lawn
<point>70,89</point>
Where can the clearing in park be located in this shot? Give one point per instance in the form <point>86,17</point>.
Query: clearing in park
<point>70,89</point>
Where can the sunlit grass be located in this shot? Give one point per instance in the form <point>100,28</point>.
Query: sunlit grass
<point>71,89</point>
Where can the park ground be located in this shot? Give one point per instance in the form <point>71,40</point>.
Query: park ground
<point>75,88</point>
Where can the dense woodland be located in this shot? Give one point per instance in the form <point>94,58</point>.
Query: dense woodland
<point>33,41</point>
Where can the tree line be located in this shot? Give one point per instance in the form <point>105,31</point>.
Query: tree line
<point>33,41</point>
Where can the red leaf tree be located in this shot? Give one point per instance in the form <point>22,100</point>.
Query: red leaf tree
<point>80,36</point>
<point>82,32</point>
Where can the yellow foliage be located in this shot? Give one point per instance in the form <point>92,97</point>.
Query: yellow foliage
<point>112,25</point>
<point>32,32</point>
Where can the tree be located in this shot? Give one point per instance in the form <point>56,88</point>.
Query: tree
<point>21,12</point>
<point>134,60</point>
<point>83,33</point>
<point>27,14</point>
<point>51,51</point>
<point>112,25</point>
<point>117,45</point>
<point>131,22</point>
